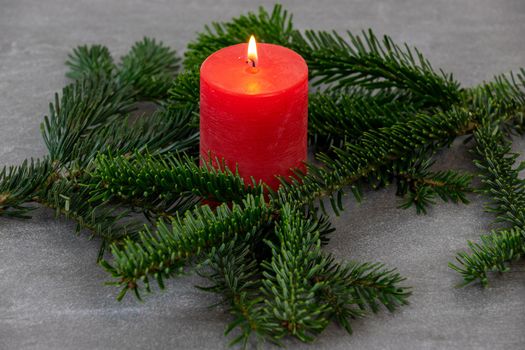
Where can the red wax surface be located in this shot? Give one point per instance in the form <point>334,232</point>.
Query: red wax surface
<point>255,119</point>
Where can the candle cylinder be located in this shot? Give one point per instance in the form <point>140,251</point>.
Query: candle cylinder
<point>254,111</point>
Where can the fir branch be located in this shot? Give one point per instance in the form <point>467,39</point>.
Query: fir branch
<point>302,288</point>
<point>165,131</point>
<point>372,63</point>
<point>353,288</point>
<point>423,185</point>
<point>335,118</point>
<point>322,223</point>
<point>149,68</point>
<point>73,201</point>
<point>165,184</point>
<point>185,93</point>
<point>232,269</point>
<point>505,95</point>
<point>501,182</point>
<point>499,177</point>
<point>493,254</point>
<point>18,185</point>
<point>359,61</point>
<point>163,252</point>
<point>234,272</point>
<point>84,106</point>
<point>90,61</point>
<point>289,288</point>
<point>375,148</point>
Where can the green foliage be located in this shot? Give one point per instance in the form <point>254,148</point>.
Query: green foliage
<point>505,94</point>
<point>234,273</point>
<point>149,68</point>
<point>18,185</point>
<point>163,132</point>
<point>91,117</point>
<point>372,63</point>
<point>364,61</point>
<point>499,176</point>
<point>375,148</point>
<point>298,289</point>
<point>501,182</point>
<point>87,61</point>
<point>289,286</point>
<point>84,106</point>
<point>352,289</point>
<point>423,186</point>
<point>165,185</point>
<point>164,252</point>
<point>493,254</point>
<point>73,201</point>
<point>184,93</point>
<point>335,118</point>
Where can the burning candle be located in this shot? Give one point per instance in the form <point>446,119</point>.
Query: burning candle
<point>254,110</point>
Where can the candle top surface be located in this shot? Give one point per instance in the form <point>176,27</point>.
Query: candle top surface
<point>278,69</point>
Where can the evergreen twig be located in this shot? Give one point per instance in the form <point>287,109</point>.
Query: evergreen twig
<point>378,147</point>
<point>372,63</point>
<point>165,184</point>
<point>86,61</point>
<point>502,183</point>
<point>18,185</point>
<point>165,251</point>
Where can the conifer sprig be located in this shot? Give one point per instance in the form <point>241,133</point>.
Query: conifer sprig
<point>421,186</point>
<point>18,185</point>
<point>149,68</point>
<point>184,93</point>
<point>234,272</point>
<point>298,290</point>
<point>505,93</point>
<point>165,184</point>
<point>493,254</point>
<point>353,288</point>
<point>375,148</point>
<point>372,63</point>
<point>364,61</point>
<point>289,286</point>
<point>86,61</point>
<point>171,246</point>
<point>163,132</point>
<point>91,117</point>
<point>501,182</point>
<point>84,105</point>
<point>336,118</point>
<point>71,200</point>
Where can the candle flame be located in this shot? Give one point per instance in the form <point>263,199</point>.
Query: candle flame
<point>252,51</point>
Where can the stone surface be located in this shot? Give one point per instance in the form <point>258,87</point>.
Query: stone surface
<point>51,291</point>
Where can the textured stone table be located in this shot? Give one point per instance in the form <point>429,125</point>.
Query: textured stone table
<point>51,291</point>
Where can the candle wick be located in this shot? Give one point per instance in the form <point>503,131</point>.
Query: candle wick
<point>252,62</point>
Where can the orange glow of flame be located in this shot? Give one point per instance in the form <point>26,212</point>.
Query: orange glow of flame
<point>252,51</point>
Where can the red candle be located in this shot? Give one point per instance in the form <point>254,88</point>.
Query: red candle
<point>254,110</point>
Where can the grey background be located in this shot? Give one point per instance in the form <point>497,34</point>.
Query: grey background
<point>51,291</point>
